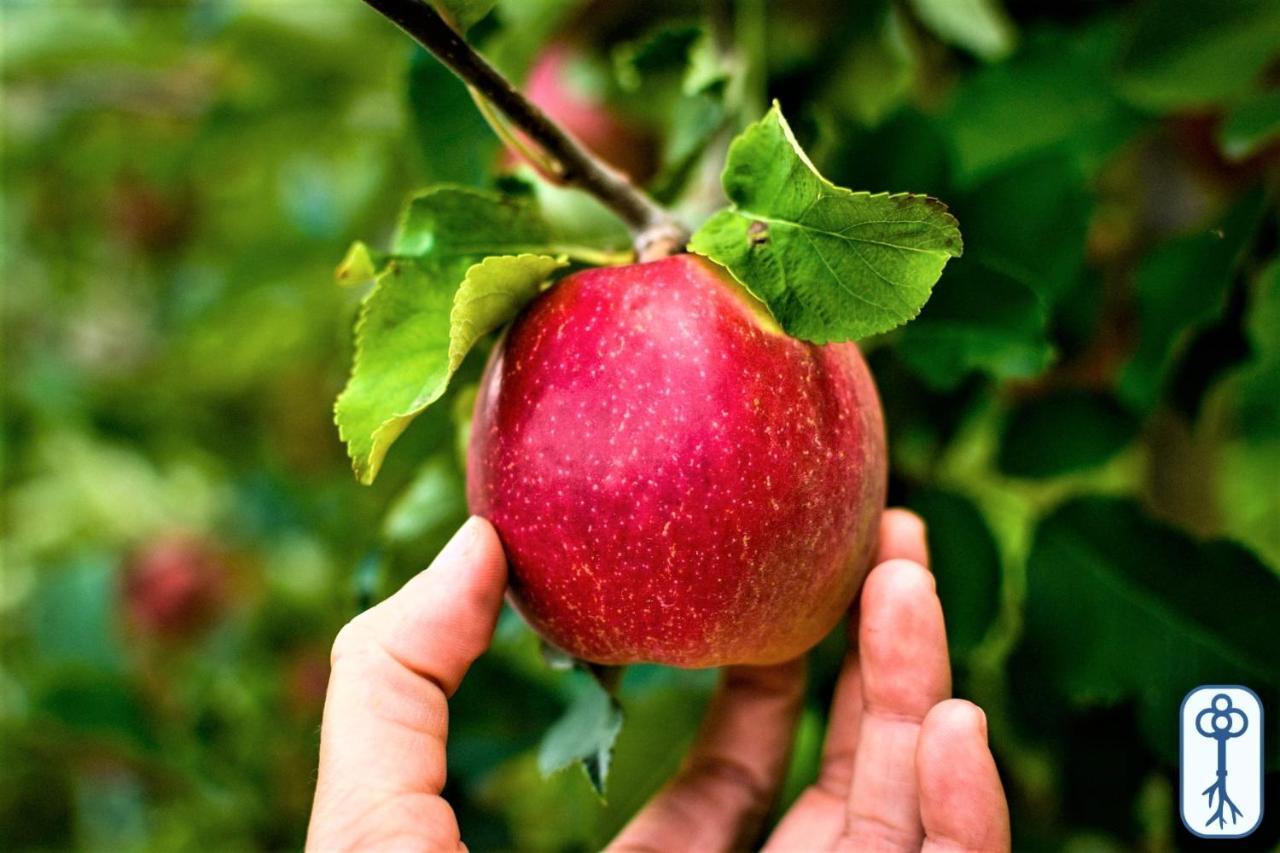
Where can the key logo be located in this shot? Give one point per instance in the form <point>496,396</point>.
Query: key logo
<point>1221,784</point>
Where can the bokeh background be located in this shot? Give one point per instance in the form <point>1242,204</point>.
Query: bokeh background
<point>1087,412</point>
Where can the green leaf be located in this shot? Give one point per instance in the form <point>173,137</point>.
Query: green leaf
<point>1120,606</point>
<point>979,320</point>
<point>447,222</point>
<point>1259,396</point>
<point>1030,221</point>
<point>433,498</point>
<point>1062,432</point>
<point>830,263</point>
<point>455,142</point>
<point>586,733</point>
<point>360,265</point>
<point>979,26</point>
<point>965,562</point>
<point>1251,125</point>
<point>463,14</point>
<point>1182,287</point>
<point>415,327</point>
<point>1195,53</point>
<point>1053,95</point>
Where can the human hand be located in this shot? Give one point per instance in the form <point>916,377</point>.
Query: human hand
<point>902,766</point>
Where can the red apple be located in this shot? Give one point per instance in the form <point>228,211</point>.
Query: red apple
<point>552,86</point>
<point>673,478</point>
<point>174,587</point>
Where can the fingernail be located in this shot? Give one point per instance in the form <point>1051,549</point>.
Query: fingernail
<point>463,538</point>
<point>982,721</point>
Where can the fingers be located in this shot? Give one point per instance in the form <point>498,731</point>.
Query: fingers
<point>962,803</point>
<point>905,672</point>
<point>730,778</point>
<point>817,819</point>
<point>902,537</point>
<point>382,742</point>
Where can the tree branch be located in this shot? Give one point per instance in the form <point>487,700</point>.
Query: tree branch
<point>656,232</point>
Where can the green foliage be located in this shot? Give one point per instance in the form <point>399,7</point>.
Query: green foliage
<point>1252,124</point>
<point>1053,96</point>
<point>415,328</point>
<point>966,563</point>
<point>1182,286</point>
<point>585,734</point>
<point>1064,432</point>
<point>463,14</point>
<point>980,320</point>
<point>1190,53</point>
<point>979,26</point>
<point>1109,620</point>
<point>830,263</point>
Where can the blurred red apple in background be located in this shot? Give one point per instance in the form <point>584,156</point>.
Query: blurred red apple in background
<point>674,479</point>
<point>562,95</point>
<point>174,587</point>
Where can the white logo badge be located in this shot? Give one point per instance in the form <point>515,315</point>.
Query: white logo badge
<point>1221,787</point>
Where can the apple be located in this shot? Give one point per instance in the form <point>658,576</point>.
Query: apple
<point>673,478</point>
<point>174,587</point>
<point>553,85</point>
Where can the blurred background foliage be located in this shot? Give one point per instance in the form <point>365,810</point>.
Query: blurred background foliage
<point>1087,412</point>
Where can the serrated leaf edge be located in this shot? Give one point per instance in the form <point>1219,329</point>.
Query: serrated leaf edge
<point>385,434</point>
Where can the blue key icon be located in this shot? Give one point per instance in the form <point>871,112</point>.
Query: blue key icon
<point>1221,740</point>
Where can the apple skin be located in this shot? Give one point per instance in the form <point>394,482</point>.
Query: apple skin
<point>674,479</point>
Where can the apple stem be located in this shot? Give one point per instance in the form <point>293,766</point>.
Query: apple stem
<point>656,232</point>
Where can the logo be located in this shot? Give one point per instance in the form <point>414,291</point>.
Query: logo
<point>1221,784</point>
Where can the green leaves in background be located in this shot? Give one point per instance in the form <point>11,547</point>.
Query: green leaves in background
<point>455,142</point>
<point>1260,381</point>
<point>1251,125</point>
<point>1062,432</point>
<point>1054,95</point>
<point>415,327</point>
<point>979,320</point>
<point>1193,53</point>
<point>978,26</point>
<point>1182,286</point>
<point>586,733</point>
<point>965,562</point>
<point>1120,606</point>
<point>831,263</point>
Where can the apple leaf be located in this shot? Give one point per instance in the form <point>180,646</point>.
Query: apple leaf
<point>831,264</point>
<point>1251,125</point>
<point>361,264</point>
<point>1182,287</point>
<point>1121,606</point>
<point>463,13</point>
<point>1182,54</point>
<point>979,26</point>
<point>586,733</point>
<point>415,327</point>
<point>983,321</point>
<point>1063,432</point>
<point>448,221</point>
<point>1259,399</point>
<point>965,561</point>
